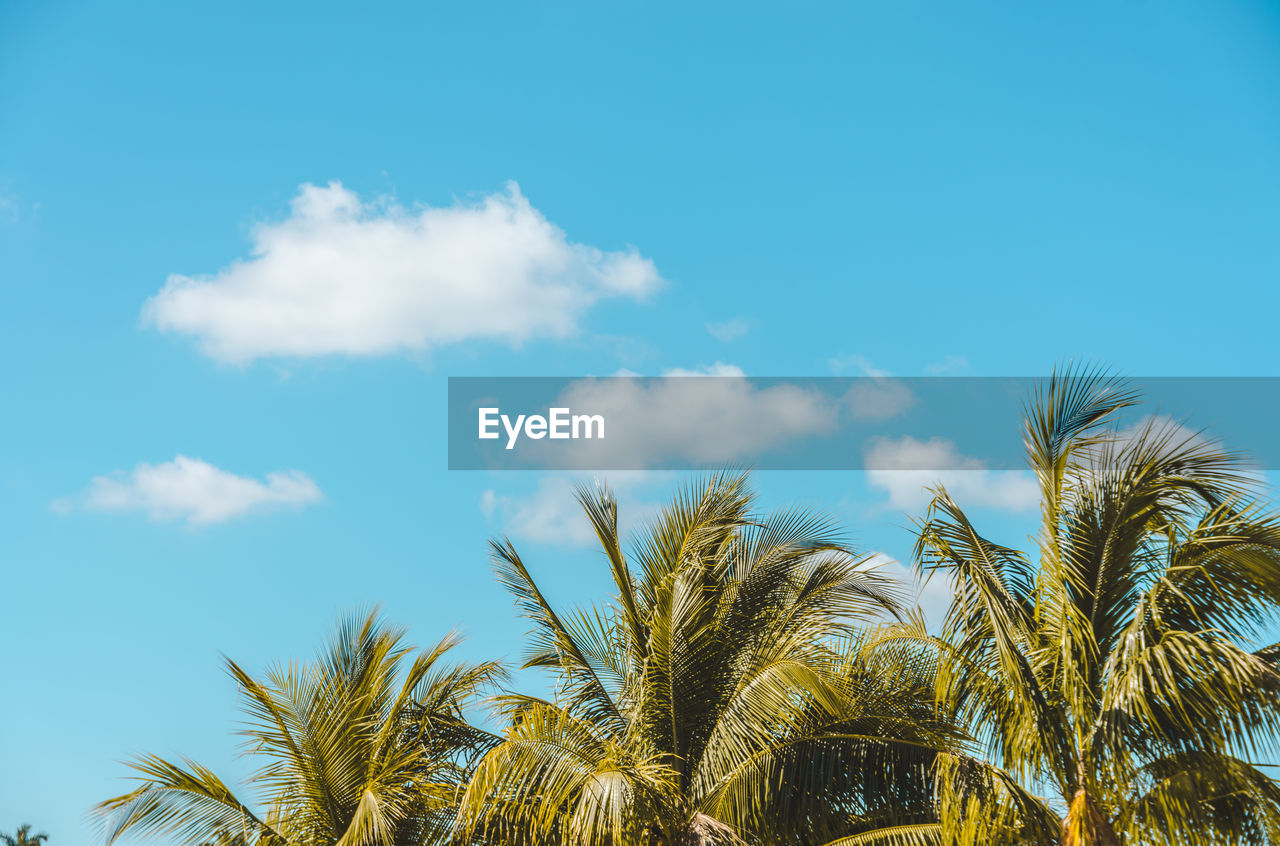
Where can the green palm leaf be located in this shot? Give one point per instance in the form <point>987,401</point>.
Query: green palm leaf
<point>365,746</point>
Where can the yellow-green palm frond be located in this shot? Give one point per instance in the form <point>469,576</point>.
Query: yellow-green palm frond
<point>556,774</point>
<point>721,665</point>
<point>185,802</point>
<point>1130,646</point>
<point>1195,797</point>
<point>363,746</point>
<point>923,834</point>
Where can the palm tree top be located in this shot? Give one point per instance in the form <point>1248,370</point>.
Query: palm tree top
<point>1121,665</point>
<point>24,837</point>
<point>720,697</point>
<point>367,745</point>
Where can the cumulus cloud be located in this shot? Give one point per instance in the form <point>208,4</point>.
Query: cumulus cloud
<point>341,276</point>
<point>874,400</point>
<point>666,419</point>
<point>550,514</point>
<point>876,397</point>
<point>194,491</point>
<point>1158,433</point>
<point>906,467</point>
<point>729,330</point>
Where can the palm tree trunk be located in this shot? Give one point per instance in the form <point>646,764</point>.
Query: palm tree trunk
<point>703,830</point>
<point>1085,825</point>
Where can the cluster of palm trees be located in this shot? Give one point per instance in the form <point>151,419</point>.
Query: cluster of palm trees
<point>754,680</point>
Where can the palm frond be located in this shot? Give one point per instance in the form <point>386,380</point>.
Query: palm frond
<point>355,749</point>
<point>925,834</point>
<point>182,801</point>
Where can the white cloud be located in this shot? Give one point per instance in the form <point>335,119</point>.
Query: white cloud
<point>550,514</point>
<point>1159,435</point>
<point>195,491</point>
<point>344,276</point>
<point>10,204</point>
<point>875,400</point>
<point>859,364</point>
<point>878,397</point>
<point>668,419</point>
<point>729,330</point>
<point>932,592</point>
<point>718,369</point>
<point>951,365</point>
<point>905,467</point>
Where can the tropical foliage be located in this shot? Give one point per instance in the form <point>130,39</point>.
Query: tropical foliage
<point>723,695</point>
<point>1120,674</point>
<point>366,745</point>
<point>754,680</point>
<point>23,837</point>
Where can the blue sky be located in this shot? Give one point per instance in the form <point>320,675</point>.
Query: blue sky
<point>982,188</point>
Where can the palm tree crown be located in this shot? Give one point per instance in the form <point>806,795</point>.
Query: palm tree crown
<point>1122,672</point>
<point>24,837</point>
<point>723,696</point>
<point>366,746</point>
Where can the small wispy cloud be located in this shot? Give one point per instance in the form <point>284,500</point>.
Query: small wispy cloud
<point>729,330</point>
<point>907,467</point>
<point>879,399</point>
<point>931,593</point>
<point>879,396</point>
<point>551,514</point>
<point>719,369</point>
<point>665,419</point>
<point>10,205</point>
<point>192,490</point>
<point>858,365</point>
<point>950,365</point>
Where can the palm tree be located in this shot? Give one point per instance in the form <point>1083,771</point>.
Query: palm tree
<point>24,837</point>
<point>366,746</point>
<point>721,697</point>
<point>1121,675</point>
